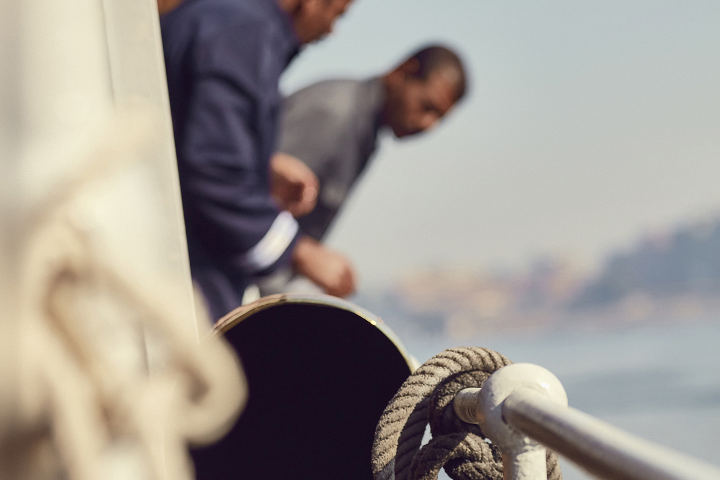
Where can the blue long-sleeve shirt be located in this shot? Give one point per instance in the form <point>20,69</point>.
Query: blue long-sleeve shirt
<point>224,59</point>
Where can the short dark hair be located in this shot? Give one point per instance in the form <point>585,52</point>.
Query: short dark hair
<point>432,58</point>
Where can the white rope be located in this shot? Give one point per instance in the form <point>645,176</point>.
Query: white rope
<point>107,418</point>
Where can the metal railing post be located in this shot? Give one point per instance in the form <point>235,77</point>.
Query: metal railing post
<point>522,406</point>
<point>523,457</point>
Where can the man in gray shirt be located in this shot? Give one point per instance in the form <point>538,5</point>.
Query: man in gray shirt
<point>332,126</point>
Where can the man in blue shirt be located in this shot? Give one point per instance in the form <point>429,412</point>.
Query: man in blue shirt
<point>224,59</point>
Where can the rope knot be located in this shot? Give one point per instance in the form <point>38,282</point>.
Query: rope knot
<point>426,398</point>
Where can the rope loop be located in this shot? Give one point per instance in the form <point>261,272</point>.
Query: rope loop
<point>426,398</point>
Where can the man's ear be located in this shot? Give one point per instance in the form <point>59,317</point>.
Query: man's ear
<point>410,67</point>
<point>403,72</point>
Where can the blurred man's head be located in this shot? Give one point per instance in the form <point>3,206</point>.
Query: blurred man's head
<point>422,89</point>
<point>313,19</point>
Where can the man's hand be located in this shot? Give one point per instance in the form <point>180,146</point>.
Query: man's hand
<point>326,268</point>
<point>292,184</point>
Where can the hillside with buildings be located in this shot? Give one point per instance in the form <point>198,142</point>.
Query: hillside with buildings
<point>672,276</point>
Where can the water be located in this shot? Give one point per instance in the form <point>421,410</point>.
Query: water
<point>659,382</point>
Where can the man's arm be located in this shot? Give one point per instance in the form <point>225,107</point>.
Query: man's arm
<point>328,269</point>
<point>224,180</point>
<point>295,188</point>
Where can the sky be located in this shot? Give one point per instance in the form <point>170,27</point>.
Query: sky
<point>588,124</point>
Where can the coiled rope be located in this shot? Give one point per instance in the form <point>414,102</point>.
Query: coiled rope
<point>83,413</point>
<point>426,397</point>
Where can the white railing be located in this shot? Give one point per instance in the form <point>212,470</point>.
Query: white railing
<point>523,409</point>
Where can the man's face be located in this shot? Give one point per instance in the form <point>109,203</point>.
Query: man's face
<point>317,17</point>
<point>415,105</point>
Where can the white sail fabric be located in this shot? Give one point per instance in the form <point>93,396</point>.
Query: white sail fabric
<point>96,291</point>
